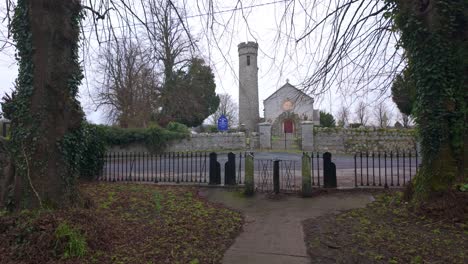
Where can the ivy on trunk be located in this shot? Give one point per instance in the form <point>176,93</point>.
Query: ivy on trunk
<point>45,115</point>
<point>433,34</point>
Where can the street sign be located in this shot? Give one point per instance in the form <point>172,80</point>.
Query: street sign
<point>223,123</point>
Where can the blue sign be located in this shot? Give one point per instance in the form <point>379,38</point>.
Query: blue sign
<point>223,123</point>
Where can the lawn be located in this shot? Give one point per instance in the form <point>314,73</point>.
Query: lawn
<point>391,231</point>
<point>125,223</point>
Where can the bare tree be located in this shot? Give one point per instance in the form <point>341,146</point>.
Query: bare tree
<point>170,41</point>
<point>343,116</point>
<point>405,120</point>
<point>228,108</point>
<point>362,114</point>
<point>129,91</point>
<point>382,115</point>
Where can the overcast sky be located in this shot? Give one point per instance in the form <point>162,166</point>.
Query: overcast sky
<point>259,20</point>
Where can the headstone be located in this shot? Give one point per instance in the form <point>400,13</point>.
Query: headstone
<point>223,123</point>
<point>329,171</point>
<point>215,170</point>
<point>230,170</point>
<point>249,174</point>
<point>306,175</point>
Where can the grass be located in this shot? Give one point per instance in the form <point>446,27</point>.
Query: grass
<point>72,240</point>
<point>386,231</point>
<point>127,223</point>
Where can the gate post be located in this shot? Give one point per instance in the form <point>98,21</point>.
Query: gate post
<point>276,181</point>
<point>306,176</point>
<point>329,171</point>
<point>215,169</point>
<point>230,170</point>
<point>249,174</point>
<point>264,130</point>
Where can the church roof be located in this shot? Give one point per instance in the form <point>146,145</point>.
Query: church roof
<point>288,85</point>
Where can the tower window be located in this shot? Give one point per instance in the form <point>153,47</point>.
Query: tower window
<point>248,60</point>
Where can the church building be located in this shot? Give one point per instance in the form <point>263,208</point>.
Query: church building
<point>285,109</point>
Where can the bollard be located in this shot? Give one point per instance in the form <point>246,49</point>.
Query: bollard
<point>329,171</point>
<point>276,182</point>
<point>306,176</point>
<point>230,170</point>
<point>249,174</point>
<point>215,170</point>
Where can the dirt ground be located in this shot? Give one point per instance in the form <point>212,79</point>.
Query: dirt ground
<point>389,231</point>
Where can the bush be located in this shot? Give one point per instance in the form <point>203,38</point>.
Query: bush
<point>85,148</point>
<point>154,137</point>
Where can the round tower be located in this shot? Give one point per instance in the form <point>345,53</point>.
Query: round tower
<point>248,86</point>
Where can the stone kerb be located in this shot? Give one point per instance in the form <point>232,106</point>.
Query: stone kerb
<point>265,135</point>
<point>307,135</point>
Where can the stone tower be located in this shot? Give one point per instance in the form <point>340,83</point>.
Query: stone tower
<point>248,86</point>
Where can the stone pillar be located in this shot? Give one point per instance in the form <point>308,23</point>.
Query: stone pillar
<point>307,135</point>
<point>306,176</point>
<point>249,174</point>
<point>265,135</point>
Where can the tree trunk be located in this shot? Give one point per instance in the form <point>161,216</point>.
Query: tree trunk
<point>45,106</point>
<point>434,37</point>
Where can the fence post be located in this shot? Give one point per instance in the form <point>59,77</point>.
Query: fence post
<point>249,174</point>
<point>230,170</point>
<point>306,176</point>
<point>276,182</point>
<point>329,171</point>
<point>215,169</point>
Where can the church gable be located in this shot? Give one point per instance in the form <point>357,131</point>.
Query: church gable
<point>290,92</point>
<point>288,99</point>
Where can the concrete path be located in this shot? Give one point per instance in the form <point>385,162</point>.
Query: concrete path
<point>273,231</point>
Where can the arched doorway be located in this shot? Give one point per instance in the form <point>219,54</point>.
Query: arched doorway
<point>288,125</point>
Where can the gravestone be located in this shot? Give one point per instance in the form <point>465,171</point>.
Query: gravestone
<point>215,169</point>
<point>230,170</point>
<point>329,171</point>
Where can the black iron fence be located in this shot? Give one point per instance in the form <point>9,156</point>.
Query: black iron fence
<point>385,169</point>
<point>289,178</point>
<point>316,166</point>
<point>373,169</point>
<point>170,167</point>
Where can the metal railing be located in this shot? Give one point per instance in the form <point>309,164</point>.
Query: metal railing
<point>385,169</point>
<point>169,167</point>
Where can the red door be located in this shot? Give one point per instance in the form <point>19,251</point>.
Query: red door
<point>288,126</point>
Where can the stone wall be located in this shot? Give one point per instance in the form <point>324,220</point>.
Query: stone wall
<point>336,140</point>
<point>196,142</point>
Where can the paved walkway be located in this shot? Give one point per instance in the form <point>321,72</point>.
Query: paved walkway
<point>273,231</point>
